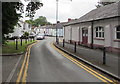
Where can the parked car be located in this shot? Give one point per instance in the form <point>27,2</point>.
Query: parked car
<point>32,35</point>
<point>40,37</point>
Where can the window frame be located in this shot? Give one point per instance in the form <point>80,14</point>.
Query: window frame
<point>117,32</point>
<point>99,33</point>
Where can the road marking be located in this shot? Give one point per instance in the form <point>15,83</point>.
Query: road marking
<point>96,74</point>
<point>21,70</point>
<point>24,66</point>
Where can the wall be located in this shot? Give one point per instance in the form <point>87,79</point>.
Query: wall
<point>109,39</point>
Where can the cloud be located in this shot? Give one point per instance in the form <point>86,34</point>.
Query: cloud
<point>66,9</point>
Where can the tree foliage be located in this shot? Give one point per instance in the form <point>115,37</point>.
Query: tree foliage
<point>100,4</point>
<point>32,7</point>
<point>10,16</point>
<point>39,21</point>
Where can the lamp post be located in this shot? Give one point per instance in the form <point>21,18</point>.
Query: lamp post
<point>56,21</point>
<point>57,41</point>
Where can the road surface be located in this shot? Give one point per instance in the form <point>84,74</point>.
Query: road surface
<point>48,65</point>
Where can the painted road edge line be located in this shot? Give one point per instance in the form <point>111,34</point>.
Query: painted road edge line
<point>86,62</point>
<point>23,64</point>
<point>84,67</point>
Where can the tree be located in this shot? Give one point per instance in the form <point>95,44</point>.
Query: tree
<point>39,21</point>
<point>10,16</point>
<point>26,34</point>
<point>104,3</point>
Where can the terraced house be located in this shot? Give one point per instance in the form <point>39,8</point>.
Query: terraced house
<point>98,28</point>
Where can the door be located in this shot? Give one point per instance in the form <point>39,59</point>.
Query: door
<point>84,36</point>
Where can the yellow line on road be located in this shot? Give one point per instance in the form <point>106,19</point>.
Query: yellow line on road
<point>24,65</point>
<point>96,74</point>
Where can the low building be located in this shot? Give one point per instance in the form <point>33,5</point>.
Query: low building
<point>50,30</point>
<point>98,28</point>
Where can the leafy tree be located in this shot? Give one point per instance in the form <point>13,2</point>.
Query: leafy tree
<point>10,16</point>
<point>26,34</point>
<point>100,4</point>
<point>39,21</point>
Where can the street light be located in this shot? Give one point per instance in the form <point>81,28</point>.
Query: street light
<point>57,20</point>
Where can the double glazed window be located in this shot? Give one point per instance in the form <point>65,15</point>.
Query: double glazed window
<point>99,32</point>
<point>118,32</point>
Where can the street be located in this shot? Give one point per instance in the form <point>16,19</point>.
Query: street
<point>47,65</point>
<point>78,44</point>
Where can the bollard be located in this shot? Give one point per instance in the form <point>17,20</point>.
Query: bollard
<point>75,48</point>
<point>16,44</point>
<point>57,41</point>
<point>31,39</point>
<point>28,39</point>
<point>25,40</point>
<point>21,41</point>
<point>104,55</point>
<point>63,42</point>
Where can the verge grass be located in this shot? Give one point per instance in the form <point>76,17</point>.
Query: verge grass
<point>10,47</point>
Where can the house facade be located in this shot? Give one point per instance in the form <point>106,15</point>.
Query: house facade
<point>50,30</point>
<point>20,28</point>
<point>98,28</point>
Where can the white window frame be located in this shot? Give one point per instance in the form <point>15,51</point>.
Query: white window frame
<point>99,31</point>
<point>116,33</point>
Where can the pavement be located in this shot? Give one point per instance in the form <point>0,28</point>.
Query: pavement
<point>95,57</point>
<point>10,65</point>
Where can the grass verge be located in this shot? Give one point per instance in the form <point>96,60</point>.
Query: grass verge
<point>10,47</point>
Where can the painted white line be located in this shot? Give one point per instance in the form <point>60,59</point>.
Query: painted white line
<point>13,71</point>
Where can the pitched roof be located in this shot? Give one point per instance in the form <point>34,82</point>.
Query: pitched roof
<point>107,11</point>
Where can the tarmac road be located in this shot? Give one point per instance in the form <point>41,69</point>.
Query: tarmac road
<point>48,65</point>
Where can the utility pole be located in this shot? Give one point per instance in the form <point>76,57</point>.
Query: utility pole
<point>57,20</point>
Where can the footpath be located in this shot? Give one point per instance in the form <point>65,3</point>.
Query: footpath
<point>11,62</point>
<point>94,57</point>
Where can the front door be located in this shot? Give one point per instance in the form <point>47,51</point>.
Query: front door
<point>85,36</point>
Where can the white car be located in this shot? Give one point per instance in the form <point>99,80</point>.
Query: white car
<point>40,37</point>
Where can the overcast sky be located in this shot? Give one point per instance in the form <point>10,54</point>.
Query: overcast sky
<point>67,9</point>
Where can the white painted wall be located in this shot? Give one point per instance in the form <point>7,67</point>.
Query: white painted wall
<point>75,33</point>
<point>109,32</point>
<point>67,33</point>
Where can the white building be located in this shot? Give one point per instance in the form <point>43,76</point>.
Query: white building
<point>20,28</point>
<point>98,28</point>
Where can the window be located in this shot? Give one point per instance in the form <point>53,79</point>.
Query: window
<point>118,32</point>
<point>99,32</point>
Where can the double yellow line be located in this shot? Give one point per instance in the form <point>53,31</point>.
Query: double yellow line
<point>86,68</point>
<point>23,71</point>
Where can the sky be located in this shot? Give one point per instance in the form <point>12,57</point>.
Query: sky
<point>73,9</point>
<point>66,9</point>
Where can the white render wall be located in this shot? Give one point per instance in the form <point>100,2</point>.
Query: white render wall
<point>109,32</point>
<point>75,33</point>
<point>67,33</point>
<point>18,30</point>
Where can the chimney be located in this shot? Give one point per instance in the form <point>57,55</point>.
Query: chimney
<point>58,21</point>
<point>69,19</point>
